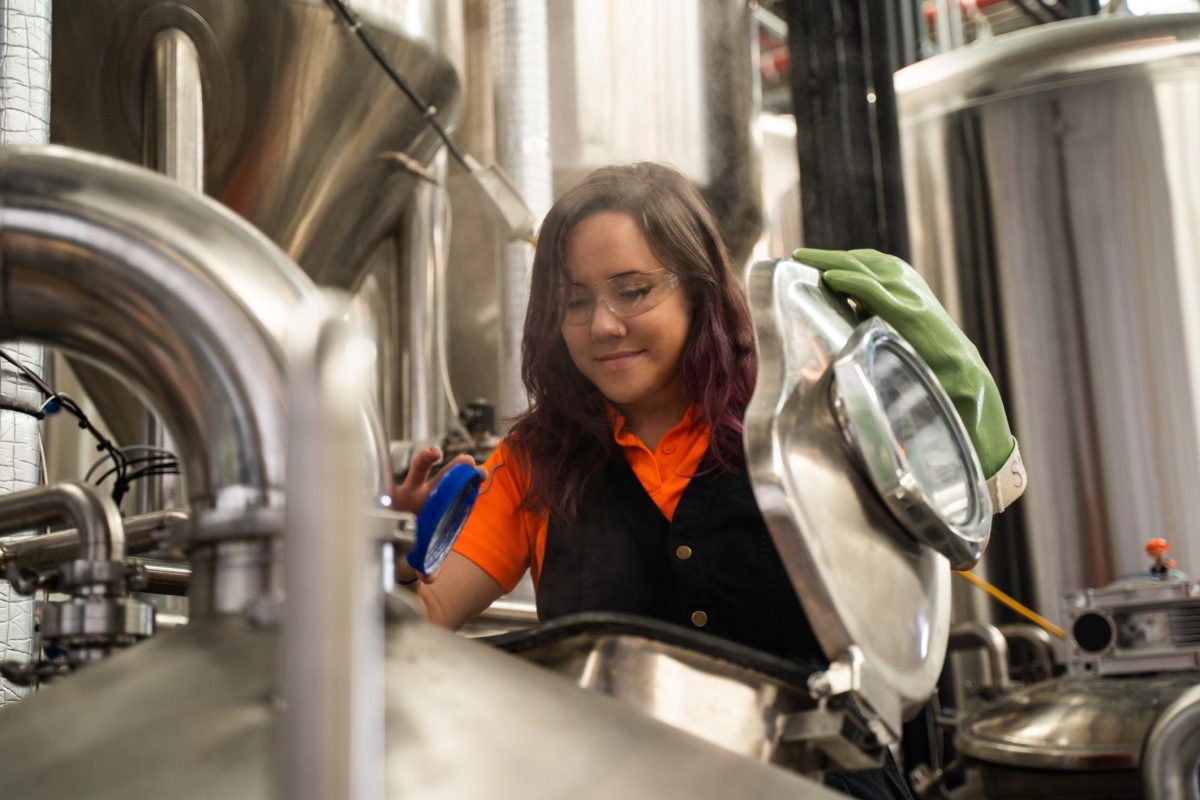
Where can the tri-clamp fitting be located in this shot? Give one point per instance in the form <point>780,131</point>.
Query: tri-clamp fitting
<point>99,616</point>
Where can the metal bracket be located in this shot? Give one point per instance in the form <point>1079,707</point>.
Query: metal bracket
<point>849,681</point>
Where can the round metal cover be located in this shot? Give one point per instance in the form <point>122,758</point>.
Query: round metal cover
<point>863,581</point>
<point>911,443</point>
<point>1072,723</point>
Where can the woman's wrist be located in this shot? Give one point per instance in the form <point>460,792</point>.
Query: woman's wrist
<point>405,574</point>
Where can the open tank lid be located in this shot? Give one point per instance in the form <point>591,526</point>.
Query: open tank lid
<point>864,475</point>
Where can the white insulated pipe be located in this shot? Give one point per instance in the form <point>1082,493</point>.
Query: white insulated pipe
<point>24,119</point>
<point>520,73</point>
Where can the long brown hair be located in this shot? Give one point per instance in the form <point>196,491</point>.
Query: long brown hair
<point>566,434</point>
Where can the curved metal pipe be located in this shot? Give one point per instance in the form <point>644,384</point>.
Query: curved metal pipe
<point>190,304</point>
<point>1039,642</point>
<point>98,526</point>
<point>968,635</point>
<point>1171,755</point>
<point>142,534</point>
<point>167,289</point>
<point>182,298</point>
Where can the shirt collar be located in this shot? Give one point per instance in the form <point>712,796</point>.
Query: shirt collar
<point>622,436</point>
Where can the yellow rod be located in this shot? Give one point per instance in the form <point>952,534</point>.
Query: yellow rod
<point>1027,613</point>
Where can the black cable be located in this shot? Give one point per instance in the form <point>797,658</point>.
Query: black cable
<point>28,373</point>
<point>120,488</point>
<point>163,460</point>
<point>427,111</point>
<point>103,442</point>
<point>121,462</point>
<point>71,407</point>
<point>22,408</point>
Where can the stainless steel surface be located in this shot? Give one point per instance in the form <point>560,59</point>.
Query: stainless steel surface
<point>1171,759</point>
<point>98,617</point>
<point>143,534</point>
<point>300,124</point>
<point>863,581</point>
<point>24,119</point>
<point>521,88</point>
<point>422,409</point>
<point>99,532</point>
<point>952,514</point>
<point>1072,723</point>
<point>717,699</point>
<point>1052,187</point>
<point>163,577</point>
<point>462,721</point>
<point>91,629</point>
<point>195,325</point>
<point>331,655</point>
<point>967,635</point>
<point>235,577</point>
<point>673,80</point>
<point>174,137</point>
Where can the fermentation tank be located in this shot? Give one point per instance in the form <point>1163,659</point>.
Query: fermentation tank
<point>1053,186</point>
<point>276,109</point>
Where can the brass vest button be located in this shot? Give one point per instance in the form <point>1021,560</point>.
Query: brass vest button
<point>699,619</point>
<point>683,552</point>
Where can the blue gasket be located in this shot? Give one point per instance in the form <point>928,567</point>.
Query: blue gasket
<point>443,516</point>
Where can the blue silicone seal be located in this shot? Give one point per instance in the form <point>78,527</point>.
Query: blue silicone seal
<point>443,516</point>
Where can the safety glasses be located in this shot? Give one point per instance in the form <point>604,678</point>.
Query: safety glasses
<point>625,295</point>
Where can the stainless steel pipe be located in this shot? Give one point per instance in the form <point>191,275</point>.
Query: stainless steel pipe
<point>1038,640</point>
<point>1171,756</point>
<point>177,110</point>
<point>186,301</point>
<point>332,655</point>
<point>164,577</point>
<point>99,533</point>
<point>142,534</point>
<point>970,635</point>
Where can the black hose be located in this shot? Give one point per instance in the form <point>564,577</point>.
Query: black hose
<point>427,111</point>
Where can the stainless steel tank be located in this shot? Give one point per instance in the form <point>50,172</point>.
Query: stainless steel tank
<point>275,109</point>
<point>302,132</point>
<point>1074,737</point>
<point>1053,187</point>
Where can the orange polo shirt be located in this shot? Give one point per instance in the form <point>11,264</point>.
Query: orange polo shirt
<point>504,540</point>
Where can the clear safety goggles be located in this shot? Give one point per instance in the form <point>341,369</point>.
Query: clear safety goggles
<point>625,295</point>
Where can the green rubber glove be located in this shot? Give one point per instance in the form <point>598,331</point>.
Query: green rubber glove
<point>893,291</point>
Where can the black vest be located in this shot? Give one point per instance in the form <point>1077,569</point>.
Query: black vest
<point>712,567</point>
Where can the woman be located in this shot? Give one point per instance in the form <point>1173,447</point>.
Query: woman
<point>623,488</point>
<point>639,361</point>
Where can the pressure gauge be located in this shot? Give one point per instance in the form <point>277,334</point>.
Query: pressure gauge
<point>443,516</point>
<point>907,436</point>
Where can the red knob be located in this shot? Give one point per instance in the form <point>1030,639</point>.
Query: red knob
<point>1157,547</point>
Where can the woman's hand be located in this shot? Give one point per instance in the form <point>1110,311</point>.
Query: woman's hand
<point>411,495</point>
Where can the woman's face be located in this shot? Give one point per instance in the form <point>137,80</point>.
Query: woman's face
<point>633,361</point>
